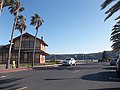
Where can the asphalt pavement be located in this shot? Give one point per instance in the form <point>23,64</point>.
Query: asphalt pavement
<point>23,68</point>
<point>91,76</point>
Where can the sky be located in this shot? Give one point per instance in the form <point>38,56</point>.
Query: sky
<point>70,27</point>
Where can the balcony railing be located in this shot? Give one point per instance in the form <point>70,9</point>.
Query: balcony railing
<point>29,48</point>
<point>24,48</point>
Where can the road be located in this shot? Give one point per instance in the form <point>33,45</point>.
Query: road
<point>92,76</point>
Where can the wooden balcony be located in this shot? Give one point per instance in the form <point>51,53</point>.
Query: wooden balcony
<point>26,48</point>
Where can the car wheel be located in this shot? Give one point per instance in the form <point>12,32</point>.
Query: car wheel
<point>71,64</point>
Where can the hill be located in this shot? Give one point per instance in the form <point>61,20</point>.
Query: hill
<point>90,56</point>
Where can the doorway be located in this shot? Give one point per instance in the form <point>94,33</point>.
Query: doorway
<point>29,57</point>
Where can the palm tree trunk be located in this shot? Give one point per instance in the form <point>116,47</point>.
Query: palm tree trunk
<point>34,49</point>
<point>1,6</point>
<point>18,61</point>
<point>9,55</point>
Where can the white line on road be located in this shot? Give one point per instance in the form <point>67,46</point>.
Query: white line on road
<point>76,71</point>
<point>3,76</point>
<point>22,88</point>
<point>114,78</point>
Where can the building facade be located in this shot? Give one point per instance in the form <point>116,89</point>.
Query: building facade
<point>27,46</point>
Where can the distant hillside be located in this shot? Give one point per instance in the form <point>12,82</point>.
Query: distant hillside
<point>89,56</point>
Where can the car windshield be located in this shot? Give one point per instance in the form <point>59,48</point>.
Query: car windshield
<point>68,59</point>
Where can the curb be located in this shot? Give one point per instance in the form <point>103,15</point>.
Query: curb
<point>25,69</point>
<point>15,70</point>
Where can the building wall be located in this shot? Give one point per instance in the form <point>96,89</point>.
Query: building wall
<point>25,39</point>
<point>43,47</point>
<point>3,57</point>
<point>26,57</point>
<point>42,59</point>
<point>16,44</point>
<point>28,39</point>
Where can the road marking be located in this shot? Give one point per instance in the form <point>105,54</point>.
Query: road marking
<point>22,88</point>
<point>76,71</point>
<point>114,78</point>
<point>3,76</point>
<point>113,70</point>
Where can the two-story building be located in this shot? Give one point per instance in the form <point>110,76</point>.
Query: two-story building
<point>27,46</point>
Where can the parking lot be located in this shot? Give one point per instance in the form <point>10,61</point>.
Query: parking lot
<point>90,76</point>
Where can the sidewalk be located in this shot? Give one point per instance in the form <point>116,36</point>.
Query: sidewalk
<point>4,70</point>
<point>23,68</point>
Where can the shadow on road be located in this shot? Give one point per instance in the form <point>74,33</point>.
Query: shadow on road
<point>8,87</point>
<point>54,79</point>
<point>6,84</point>
<point>65,67</point>
<point>106,89</point>
<point>57,68</point>
<point>102,76</point>
<point>4,81</point>
<point>110,68</point>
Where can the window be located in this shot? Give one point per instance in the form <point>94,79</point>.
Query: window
<point>37,55</point>
<point>31,44</point>
<point>25,55</point>
<point>23,44</point>
<point>27,44</point>
<point>4,56</point>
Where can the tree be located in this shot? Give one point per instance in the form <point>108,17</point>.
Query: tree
<point>1,5</point>
<point>14,8</point>
<point>21,26</point>
<point>5,3</point>
<point>37,22</point>
<point>113,9</point>
<point>104,56</point>
<point>115,35</point>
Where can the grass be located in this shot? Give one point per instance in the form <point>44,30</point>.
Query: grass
<point>38,64</point>
<point>52,62</point>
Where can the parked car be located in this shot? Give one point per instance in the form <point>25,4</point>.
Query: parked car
<point>113,62</point>
<point>118,67</point>
<point>69,61</point>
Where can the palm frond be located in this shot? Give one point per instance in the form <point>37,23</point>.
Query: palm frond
<point>14,6</point>
<point>36,21</point>
<point>118,18</point>
<point>112,10</point>
<point>114,37</point>
<point>1,5</point>
<point>21,9</point>
<point>115,32</point>
<point>8,2</point>
<point>21,23</point>
<point>106,3</point>
<point>116,46</point>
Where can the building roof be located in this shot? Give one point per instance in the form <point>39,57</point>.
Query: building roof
<point>38,51</point>
<point>5,48</point>
<point>27,34</point>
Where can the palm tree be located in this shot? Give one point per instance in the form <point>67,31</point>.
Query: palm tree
<point>115,35</point>
<point>37,22</point>
<point>21,26</point>
<point>5,3</point>
<point>14,9</point>
<point>1,5</point>
<point>113,9</point>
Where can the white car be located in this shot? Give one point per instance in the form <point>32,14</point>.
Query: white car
<point>70,61</point>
